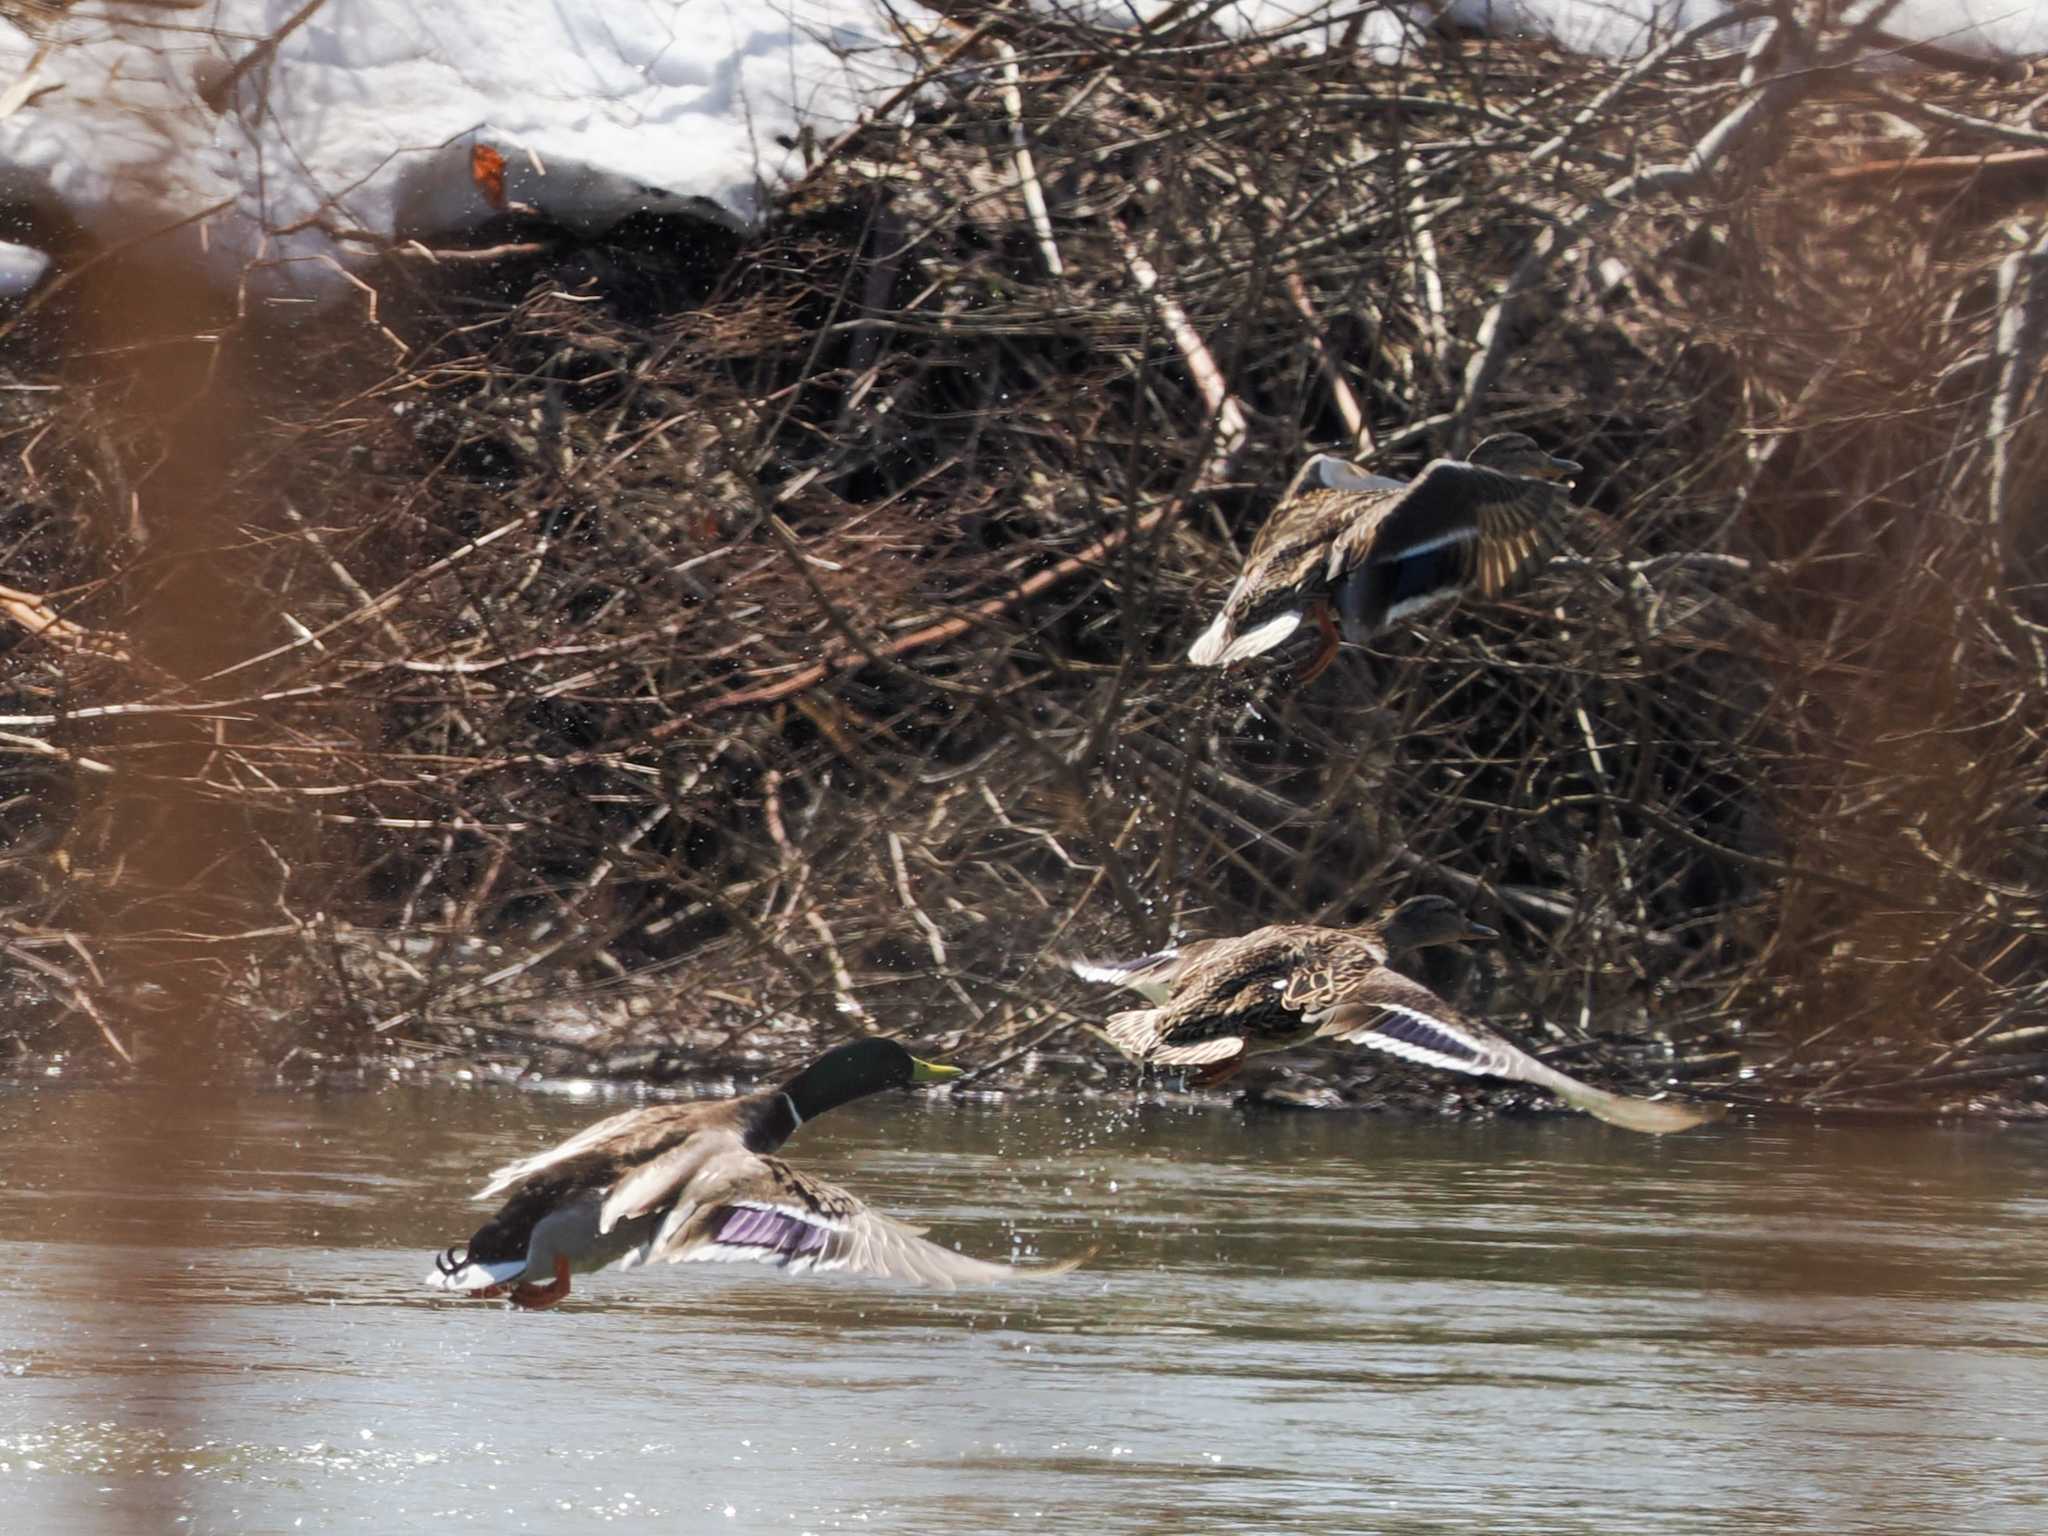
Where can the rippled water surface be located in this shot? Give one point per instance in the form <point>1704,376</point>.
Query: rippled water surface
<point>210,1321</point>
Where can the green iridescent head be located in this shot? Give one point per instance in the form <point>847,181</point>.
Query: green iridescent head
<point>849,1072</point>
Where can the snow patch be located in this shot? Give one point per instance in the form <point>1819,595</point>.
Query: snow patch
<point>358,127</point>
<point>363,121</point>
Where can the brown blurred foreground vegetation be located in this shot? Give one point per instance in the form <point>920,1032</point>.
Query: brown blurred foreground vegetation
<point>632,654</point>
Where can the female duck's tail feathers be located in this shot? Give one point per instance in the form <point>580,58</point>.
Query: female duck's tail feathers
<point>1137,1035</point>
<point>1201,1054</point>
<point>1210,644</point>
<point>1220,645</point>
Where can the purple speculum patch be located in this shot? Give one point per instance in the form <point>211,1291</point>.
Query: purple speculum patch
<point>752,1227</point>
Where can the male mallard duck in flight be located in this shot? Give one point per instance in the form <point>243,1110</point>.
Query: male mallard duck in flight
<point>1219,1001</point>
<point>695,1183</point>
<point>1384,550</point>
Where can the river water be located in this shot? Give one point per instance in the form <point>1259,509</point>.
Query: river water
<point>210,1321</point>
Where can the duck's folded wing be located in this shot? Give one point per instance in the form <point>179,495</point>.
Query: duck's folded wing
<point>1391,1013</point>
<point>770,1213</point>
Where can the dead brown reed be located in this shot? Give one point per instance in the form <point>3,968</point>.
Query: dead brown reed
<point>699,644</point>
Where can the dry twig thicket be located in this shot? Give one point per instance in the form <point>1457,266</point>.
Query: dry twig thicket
<point>694,637</point>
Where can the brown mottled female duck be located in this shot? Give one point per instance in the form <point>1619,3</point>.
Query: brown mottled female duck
<point>1384,550</point>
<point>1217,1002</point>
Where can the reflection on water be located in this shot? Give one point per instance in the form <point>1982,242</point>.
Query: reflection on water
<point>1313,1323</point>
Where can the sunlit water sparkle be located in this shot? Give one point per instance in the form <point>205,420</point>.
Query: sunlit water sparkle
<point>1308,1323</point>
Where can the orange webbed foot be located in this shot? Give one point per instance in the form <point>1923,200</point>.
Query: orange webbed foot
<point>538,1298</point>
<point>1327,651</point>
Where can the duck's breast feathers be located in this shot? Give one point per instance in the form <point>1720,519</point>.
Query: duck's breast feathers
<point>1488,522</point>
<point>760,1210</point>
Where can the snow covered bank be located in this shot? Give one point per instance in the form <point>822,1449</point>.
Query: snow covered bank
<point>364,119</point>
<point>276,142</point>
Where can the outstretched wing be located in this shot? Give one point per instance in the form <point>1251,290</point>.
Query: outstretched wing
<point>630,1136</point>
<point>1152,975</point>
<point>1391,1013</point>
<point>760,1210</point>
<point>1455,526</point>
